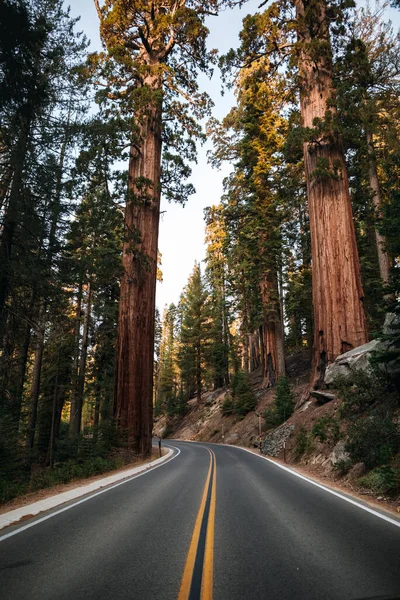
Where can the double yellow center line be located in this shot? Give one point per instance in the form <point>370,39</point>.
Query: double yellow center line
<point>197,580</point>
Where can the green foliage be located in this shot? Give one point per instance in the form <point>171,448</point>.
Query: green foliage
<point>373,440</point>
<point>244,400</point>
<point>342,467</point>
<point>382,480</point>
<point>327,429</point>
<point>363,390</point>
<point>283,405</point>
<point>303,443</point>
<point>227,407</point>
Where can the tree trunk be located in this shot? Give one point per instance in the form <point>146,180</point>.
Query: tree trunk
<point>135,339</point>
<point>339,319</point>
<point>11,215</point>
<point>76,415</point>
<point>198,373</point>
<point>75,366</point>
<point>272,331</point>
<point>383,258</point>
<point>37,369</point>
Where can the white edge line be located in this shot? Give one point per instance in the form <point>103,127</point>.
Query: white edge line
<point>103,491</point>
<point>322,487</point>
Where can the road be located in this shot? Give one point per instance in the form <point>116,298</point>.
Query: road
<point>215,522</point>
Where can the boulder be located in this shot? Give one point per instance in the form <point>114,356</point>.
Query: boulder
<point>322,397</point>
<point>356,359</point>
<point>339,454</point>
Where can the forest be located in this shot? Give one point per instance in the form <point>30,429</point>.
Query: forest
<point>302,249</point>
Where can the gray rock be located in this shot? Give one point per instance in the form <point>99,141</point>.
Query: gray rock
<point>353,360</point>
<point>232,438</point>
<point>339,454</point>
<point>273,442</point>
<point>322,397</point>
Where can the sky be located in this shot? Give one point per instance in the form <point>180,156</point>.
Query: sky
<point>181,240</point>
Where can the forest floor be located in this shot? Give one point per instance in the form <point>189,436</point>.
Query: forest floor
<point>48,492</point>
<point>204,422</point>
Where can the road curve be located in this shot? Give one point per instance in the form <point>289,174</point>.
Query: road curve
<point>214,523</point>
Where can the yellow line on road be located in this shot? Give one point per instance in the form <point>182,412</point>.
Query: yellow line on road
<point>191,557</point>
<point>207,581</point>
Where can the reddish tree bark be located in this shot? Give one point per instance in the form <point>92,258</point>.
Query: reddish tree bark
<point>339,319</point>
<point>135,340</point>
<point>272,331</point>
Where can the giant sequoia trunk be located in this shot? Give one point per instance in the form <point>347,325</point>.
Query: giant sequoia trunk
<point>272,331</point>
<point>135,339</point>
<point>339,320</point>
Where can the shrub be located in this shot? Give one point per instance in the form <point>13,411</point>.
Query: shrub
<point>327,429</point>
<point>342,467</point>
<point>244,400</point>
<point>362,390</point>
<point>283,405</point>
<point>373,440</point>
<point>227,405</point>
<point>167,431</point>
<point>303,443</point>
<point>382,480</point>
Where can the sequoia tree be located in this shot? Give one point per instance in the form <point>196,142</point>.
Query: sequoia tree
<point>339,319</point>
<point>154,52</point>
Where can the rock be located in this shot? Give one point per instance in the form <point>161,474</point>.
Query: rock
<point>306,405</point>
<point>273,442</point>
<point>339,454</point>
<point>322,397</point>
<point>353,360</point>
<point>232,438</point>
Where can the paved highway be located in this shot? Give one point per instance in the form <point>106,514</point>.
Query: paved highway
<point>214,522</point>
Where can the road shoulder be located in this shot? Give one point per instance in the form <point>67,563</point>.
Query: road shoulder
<point>26,508</point>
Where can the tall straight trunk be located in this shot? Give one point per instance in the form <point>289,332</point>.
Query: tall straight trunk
<point>12,214</point>
<point>75,366</point>
<point>339,319</point>
<point>198,373</point>
<point>37,370</point>
<point>383,258</point>
<point>136,318</point>
<point>272,331</point>
<point>76,415</point>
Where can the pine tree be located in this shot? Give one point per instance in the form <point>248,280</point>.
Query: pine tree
<point>193,334</point>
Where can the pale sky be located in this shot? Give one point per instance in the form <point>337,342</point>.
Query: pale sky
<point>181,240</point>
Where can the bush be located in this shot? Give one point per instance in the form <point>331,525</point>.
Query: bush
<point>363,390</point>
<point>244,400</point>
<point>327,429</point>
<point>283,405</point>
<point>382,480</point>
<point>227,405</point>
<point>373,440</point>
<point>303,443</point>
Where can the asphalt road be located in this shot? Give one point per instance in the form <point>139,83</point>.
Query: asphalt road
<point>213,522</point>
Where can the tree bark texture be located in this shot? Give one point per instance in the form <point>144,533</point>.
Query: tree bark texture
<point>75,366</point>
<point>37,370</point>
<point>339,319</point>
<point>136,319</point>
<point>12,214</point>
<point>76,415</point>
<point>272,331</point>
<point>383,258</point>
